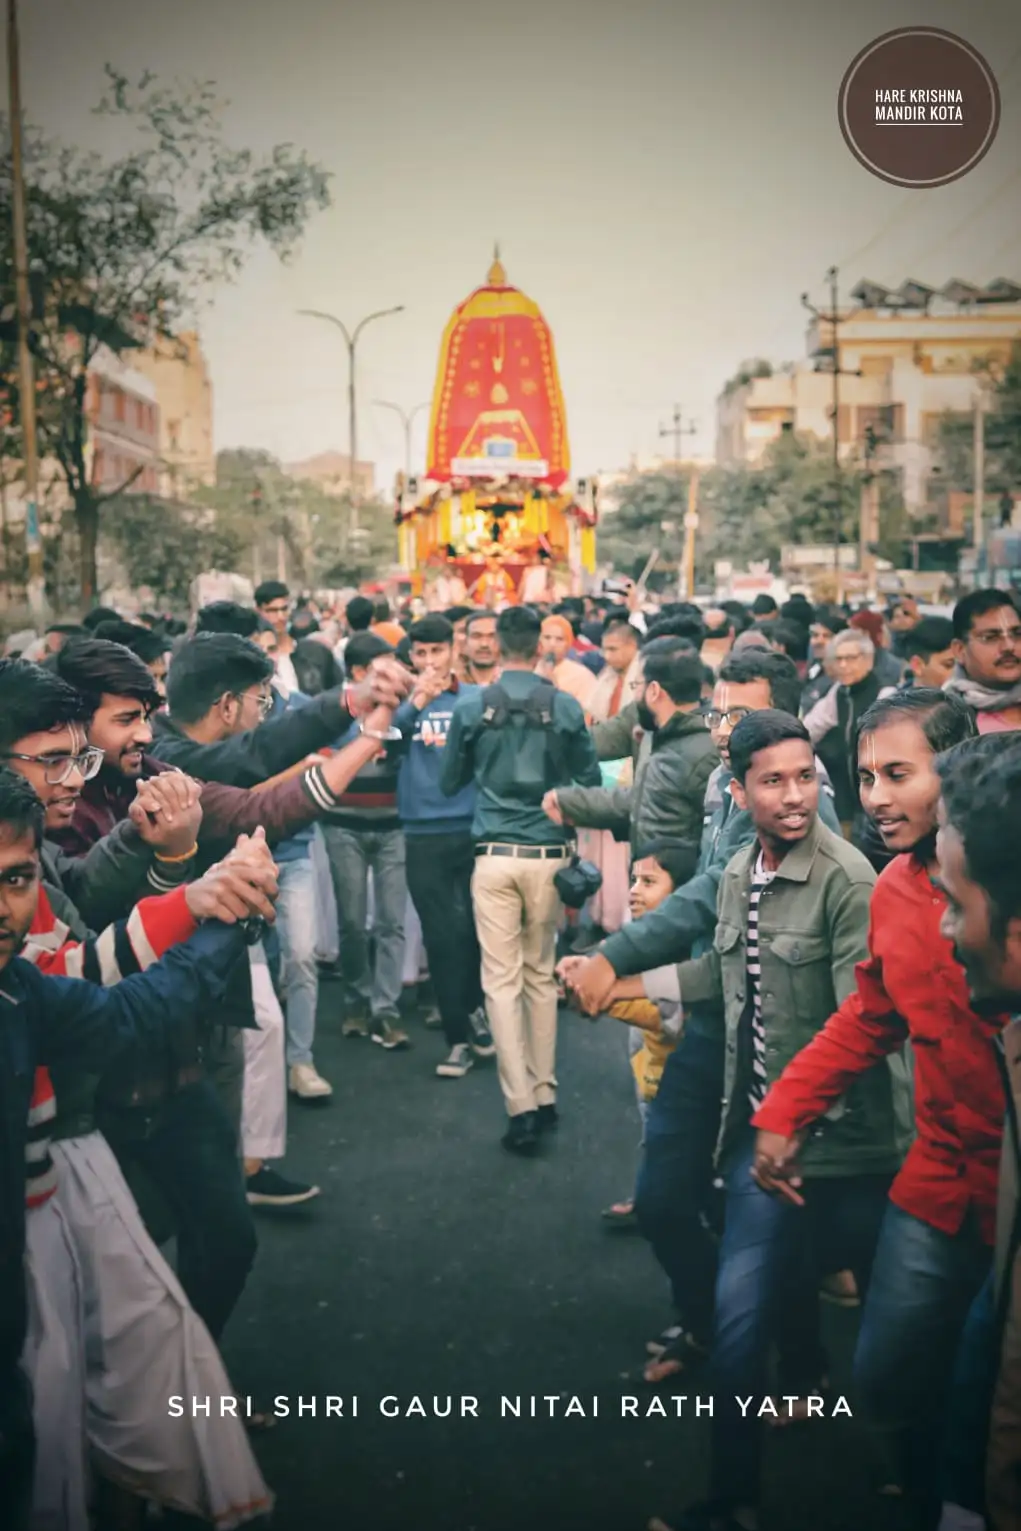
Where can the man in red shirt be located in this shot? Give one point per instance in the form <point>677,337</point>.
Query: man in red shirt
<point>935,1248</point>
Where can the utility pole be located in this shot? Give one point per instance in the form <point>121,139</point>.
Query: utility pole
<point>979,472</point>
<point>407,419</point>
<point>26,370</point>
<point>677,429</point>
<point>832,318</point>
<point>686,584</point>
<point>351,341</point>
<point>868,524</point>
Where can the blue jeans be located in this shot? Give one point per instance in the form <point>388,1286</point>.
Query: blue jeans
<point>676,1176</point>
<point>353,854</point>
<point>299,971</point>
<point>925,1356</point>
<point>770,1254</point>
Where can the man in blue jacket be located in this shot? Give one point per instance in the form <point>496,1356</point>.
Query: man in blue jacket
<point>440,850</point>
<point>49,1020</point>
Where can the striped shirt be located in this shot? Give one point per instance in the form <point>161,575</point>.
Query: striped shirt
<point>760,1084</point>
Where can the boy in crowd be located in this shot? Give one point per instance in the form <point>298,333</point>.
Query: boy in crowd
<point>439,847</point>
<point>363,835</point>
<point>928,648</point>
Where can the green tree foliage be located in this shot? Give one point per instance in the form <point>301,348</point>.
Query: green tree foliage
<point>163,545</point>
<point>955,445</point>
<point>123,251</point>
<point>745,513</point>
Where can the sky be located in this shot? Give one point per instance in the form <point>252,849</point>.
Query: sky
<point>664,177</point>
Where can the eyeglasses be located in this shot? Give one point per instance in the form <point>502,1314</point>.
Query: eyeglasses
<point>997,637</point>
<point>58,769</point>
<point>736,715</point>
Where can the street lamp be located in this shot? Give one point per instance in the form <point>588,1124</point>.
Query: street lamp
<point>351,340</point>
<point>407,417</point>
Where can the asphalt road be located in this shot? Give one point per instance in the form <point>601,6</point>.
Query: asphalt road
<point>435,1265</point>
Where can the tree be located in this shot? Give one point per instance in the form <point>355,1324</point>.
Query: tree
<point>955,442</point>
<point>162,545</point>
<point>123,251</point>
<point>646,504</point>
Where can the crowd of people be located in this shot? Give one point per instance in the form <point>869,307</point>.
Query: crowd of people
<point>778,845</point>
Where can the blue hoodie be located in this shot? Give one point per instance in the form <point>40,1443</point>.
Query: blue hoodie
<point>423,808</point>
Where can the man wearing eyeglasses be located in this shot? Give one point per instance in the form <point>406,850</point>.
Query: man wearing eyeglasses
<point>987,647</point>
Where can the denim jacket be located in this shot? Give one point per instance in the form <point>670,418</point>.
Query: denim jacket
<point>813,931</point>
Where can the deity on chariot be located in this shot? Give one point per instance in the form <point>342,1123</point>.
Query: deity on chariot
<point>496,519</point>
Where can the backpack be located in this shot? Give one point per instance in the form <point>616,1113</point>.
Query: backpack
<point>531,757</point>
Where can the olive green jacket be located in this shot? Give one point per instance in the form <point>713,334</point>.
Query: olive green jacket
<point>813,930</point>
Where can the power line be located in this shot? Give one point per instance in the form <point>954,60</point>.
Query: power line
<point>965,222</point>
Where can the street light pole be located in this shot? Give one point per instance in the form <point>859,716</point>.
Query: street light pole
<point>407,419</point>
<point>833,318</point>
<point>26,370</point>
<point>351,341</point>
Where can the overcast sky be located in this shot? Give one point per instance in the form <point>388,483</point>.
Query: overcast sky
<point>665,177</point>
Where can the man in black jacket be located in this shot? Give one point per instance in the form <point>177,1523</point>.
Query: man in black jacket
<point>305,665</point>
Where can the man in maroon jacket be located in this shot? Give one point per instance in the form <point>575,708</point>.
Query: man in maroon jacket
<point>926,1301</point>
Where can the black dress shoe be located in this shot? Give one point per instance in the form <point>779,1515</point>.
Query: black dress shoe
<point>548,1120</point>
<point>522,1135</point>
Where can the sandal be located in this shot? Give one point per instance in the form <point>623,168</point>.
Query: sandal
<point>656,1348</point>
<point>681,1355</point>
<point>621,1216</point>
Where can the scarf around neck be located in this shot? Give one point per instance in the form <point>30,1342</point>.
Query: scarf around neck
<point>982,698</point>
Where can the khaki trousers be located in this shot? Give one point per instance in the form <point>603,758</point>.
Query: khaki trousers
<point>516,913</point>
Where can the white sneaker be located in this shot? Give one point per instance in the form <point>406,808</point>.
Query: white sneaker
<point>305,1081</point>
<point>458,1064</point>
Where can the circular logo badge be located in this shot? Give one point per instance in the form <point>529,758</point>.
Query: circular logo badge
<point>919,107</point>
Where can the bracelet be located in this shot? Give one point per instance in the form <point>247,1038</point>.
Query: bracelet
<point>175,860</point>
<point>389,737</point>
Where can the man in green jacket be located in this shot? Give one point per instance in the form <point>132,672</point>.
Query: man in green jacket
<point>792,926</point>
<point>676,759</point>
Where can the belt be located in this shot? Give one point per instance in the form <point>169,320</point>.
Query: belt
<point>528,852</point>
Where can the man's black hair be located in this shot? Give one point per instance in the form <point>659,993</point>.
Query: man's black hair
<point>209,666</point>
<point>149,618</point>
<point>945,719</point>
<point>303,623</point>
<point>68,629</point>
<point>92,619</point>
<point>621,622</point>
<point>34,700</point>
<point>679,858</point>
<point>978,603</point>
<point>678,671</point>
<point>149,646</point>
<point>762,731</point>
<point>518,630</point>
<point>479,613</point>
<point>228,617</point>
<point>457,614</point>
<point>776,669</point>
<point>362,649</point>
<point>792,635</point>
<point>359,612</point>
<point>798,609</point>
<point>95,667</point>
<point>432,629</point>
<point>403,652</point>
<point>764,605</point>
<point>932,635</point>
<point>981,781</point>
<point>831,618</point>
<point>271,590</point>
<point>381,610</point>
<point>722,629</point>
<point>678,625</point>
<point>20,807</point>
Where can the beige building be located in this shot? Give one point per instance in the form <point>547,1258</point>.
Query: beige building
<point>331,472</point>
<point>917,351</point>
<point>178,371</point>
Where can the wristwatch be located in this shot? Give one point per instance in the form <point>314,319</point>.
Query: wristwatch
<point>393,733</point>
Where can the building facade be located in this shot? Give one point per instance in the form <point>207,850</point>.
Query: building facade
<point>178,371</point>
<point>122,410</point>
<point>331,473</point>
<point>919,354</point>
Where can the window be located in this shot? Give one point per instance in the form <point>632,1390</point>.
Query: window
<point>876,366</point>
<point>119,404</point>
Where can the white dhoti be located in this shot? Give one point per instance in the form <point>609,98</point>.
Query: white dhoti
<point>264,1103</point>
<point>55,1362</point>
<point>327,944</point>
<point>144,1344</point>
